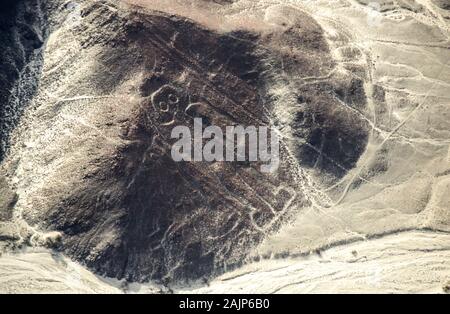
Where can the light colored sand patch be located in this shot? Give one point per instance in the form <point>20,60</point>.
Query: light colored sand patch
<point>40,271</point>
<point>410,262</point>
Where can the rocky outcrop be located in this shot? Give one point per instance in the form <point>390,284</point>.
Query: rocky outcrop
<point>22,33</point>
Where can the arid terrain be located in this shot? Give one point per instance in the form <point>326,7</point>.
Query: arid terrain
<point>358,91</point>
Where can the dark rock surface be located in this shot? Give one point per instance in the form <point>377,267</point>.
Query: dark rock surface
<point>124,207</point>
<point>22,34</point>
<point>443,4</point>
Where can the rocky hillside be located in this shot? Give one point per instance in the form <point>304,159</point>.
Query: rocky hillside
<point>92,90</point>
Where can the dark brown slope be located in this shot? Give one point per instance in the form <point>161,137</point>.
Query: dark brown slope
<point>174,220</point>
